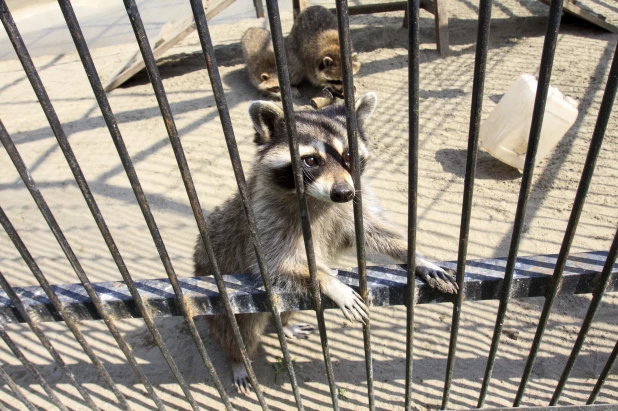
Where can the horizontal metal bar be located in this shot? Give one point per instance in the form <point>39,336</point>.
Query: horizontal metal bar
<point>387,286</point>
<point>386,7</point>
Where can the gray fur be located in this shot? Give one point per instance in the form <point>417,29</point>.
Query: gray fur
<point>279,226</point>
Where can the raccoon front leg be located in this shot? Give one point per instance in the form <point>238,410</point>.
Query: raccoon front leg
<point>351,304</point>
<point>383,239</point>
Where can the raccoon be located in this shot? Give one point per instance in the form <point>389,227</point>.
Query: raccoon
<point>313,51</point>
<point>330,190</point>
<point>259,57</point>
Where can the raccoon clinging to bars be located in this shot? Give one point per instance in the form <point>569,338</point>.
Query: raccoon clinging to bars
<point>313,51</point>
<point>323,147</point>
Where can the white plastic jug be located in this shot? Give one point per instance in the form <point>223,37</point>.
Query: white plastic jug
<point>504,134</point>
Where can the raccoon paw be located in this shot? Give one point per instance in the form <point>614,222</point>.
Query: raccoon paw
<point>300,331</point>
<point>438,278</point>
<point>351,304</point>
<point>241,378</point>
<point>296,93</point>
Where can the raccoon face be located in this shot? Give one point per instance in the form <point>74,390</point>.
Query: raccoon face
<point>269,85</point>
<point>323,147</point>
<point>330,72</point>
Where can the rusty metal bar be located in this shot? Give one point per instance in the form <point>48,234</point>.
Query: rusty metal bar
<point>547,59</point>
<point>228,131</point>
<point>59,307</point>
<point>16,390</point>
<point>290,123</point>
<point>476,109</point>
<point>345,47</point>
<point>28,365</point>
<point>170,125</point>
<point>413,135</point>
<point>578,205</point>
<point>16,302</point>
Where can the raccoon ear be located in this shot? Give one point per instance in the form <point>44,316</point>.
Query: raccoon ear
<point>326,63</point>
<point>365,105</point>
<point>265,76</point>
<point>355,56</point>
<point>266,118</point>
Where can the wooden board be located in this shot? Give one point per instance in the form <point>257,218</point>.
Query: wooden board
<point>169,36</point>
<point>572,8</point>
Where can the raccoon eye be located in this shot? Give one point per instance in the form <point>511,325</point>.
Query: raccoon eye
<point>311,161</point>
<point>346,157</point>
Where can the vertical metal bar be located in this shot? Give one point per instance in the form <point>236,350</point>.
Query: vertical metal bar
<point>413,119</point>
<point>93,77</point>
<point>16,390</point>
<point>606,276</point>
<point>28,365</point>
<point>345,47</point>
<point>547,58</point>
<point>54,122</point>
<point>166,113</point>
<point>476,109</point>
<point>290,123</point>
<point>603,377</point>
<point>66,248</point>
<point>44,340</point>
<point>580,198</point>
<point>66,315</point>
<point>228,131</point>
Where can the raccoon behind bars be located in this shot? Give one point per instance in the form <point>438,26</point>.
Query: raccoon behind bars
<point>330,190</point>
<point>313,51</point>
<point>259,57</point>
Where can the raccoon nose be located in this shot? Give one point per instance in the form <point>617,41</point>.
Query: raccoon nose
<point>341,193</point>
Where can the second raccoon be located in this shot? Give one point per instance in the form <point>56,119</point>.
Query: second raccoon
<point>313,51</point>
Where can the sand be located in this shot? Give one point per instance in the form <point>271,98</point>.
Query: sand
<point>583,57</point>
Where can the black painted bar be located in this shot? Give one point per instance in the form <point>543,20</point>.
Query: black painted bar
<point>345,46</point>
<point>413,134</point>
<point>476,109</point>
<point>547,60</point>
<point>387,287</point>
<point>290,123</point>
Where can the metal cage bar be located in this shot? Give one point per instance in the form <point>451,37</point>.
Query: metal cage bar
<point>547,58</point>
<point>68,251</point>
<point>10,292</point>
<point>345,47</point>
<point>228,131</point>
<point>65,314</point>
<point>290,123</point>
<point>28,365</point>
<point>54,122</point>
<point>603,376</point>
<point>580,198</point>
<point>476,109</point>
<point>16,390</point>
<point>413,135</point>
<point>170,125</point>
<point>110,120</point>
<point>592,310</point>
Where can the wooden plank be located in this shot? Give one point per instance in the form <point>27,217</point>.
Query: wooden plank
<point>572,8</point>
<point>169,36</point>
<point>299,6</point>
<point>441,23</point>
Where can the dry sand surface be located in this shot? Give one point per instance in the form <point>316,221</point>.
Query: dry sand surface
<point>581,65</point>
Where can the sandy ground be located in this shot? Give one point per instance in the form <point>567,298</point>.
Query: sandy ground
<point>582,62</point>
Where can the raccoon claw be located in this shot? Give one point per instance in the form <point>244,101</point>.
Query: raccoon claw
<point>296,93</point>
<point>438,278</point>
<point>241,379</point>
<point>300,331</point>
